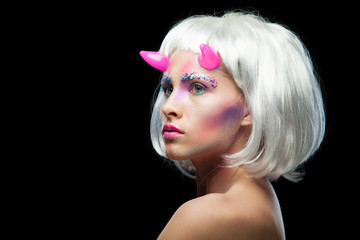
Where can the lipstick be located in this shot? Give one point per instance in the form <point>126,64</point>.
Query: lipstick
<point>171,132</point>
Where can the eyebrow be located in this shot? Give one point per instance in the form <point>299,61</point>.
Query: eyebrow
<point>199,76</point>
<point>166,79</point>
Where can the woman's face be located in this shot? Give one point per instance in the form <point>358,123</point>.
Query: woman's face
<point>205,110</point>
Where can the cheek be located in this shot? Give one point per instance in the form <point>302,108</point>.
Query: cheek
<point>224,121</point>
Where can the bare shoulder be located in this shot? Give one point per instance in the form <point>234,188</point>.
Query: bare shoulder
<point>218,216</point>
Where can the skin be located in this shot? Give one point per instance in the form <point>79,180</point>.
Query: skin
<point>214,121</point>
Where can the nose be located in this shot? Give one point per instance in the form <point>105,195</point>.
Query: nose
<point>172,108</point>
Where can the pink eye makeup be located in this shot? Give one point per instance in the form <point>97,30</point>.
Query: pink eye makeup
<point>199,76</point>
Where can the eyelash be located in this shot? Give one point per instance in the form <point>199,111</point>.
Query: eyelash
<point>195,84</point>
<point>168,87</point>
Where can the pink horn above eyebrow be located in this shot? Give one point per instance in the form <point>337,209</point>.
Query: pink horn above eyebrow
<point>155,59</point>
<point>208,58</point>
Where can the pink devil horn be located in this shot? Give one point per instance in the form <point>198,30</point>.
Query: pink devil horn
<point>208,58</point>
<point>155,59</point>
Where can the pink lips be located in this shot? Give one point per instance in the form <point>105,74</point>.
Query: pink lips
<point>171,132</point>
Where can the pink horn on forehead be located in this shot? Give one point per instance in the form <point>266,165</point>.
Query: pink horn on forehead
<point>208,58</point>
<point>155,59</point>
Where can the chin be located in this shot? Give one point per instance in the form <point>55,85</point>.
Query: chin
<point>176,151</point>
<point>177,156</point>
<point>185,152</point>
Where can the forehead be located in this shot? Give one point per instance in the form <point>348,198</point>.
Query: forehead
<point>181,61</point>
<point>186,61</point>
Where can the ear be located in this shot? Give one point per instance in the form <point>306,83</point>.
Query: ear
<point>246,119</point>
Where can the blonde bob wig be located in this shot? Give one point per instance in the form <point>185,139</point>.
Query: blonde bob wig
<point>275,72</point>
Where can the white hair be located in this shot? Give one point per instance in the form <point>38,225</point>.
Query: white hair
<point>275,72</point>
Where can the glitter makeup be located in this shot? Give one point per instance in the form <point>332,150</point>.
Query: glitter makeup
<point>165,79</point>
<point>199,76</point>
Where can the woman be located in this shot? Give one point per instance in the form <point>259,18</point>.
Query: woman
<point>239,106</point>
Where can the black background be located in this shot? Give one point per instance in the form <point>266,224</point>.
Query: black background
<point>94,172</point>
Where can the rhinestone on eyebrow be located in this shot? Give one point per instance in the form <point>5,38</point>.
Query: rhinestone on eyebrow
<point>199,76</point>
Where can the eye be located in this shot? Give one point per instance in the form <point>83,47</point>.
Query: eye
<point>167,90</point>
<point>197,89</point>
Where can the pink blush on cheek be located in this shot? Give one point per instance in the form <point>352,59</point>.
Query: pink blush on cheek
<point>225,119</point>
<point>230,114</point>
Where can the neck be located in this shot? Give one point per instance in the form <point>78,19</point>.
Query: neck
<point>217,178</point>
<point>212,174</point>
